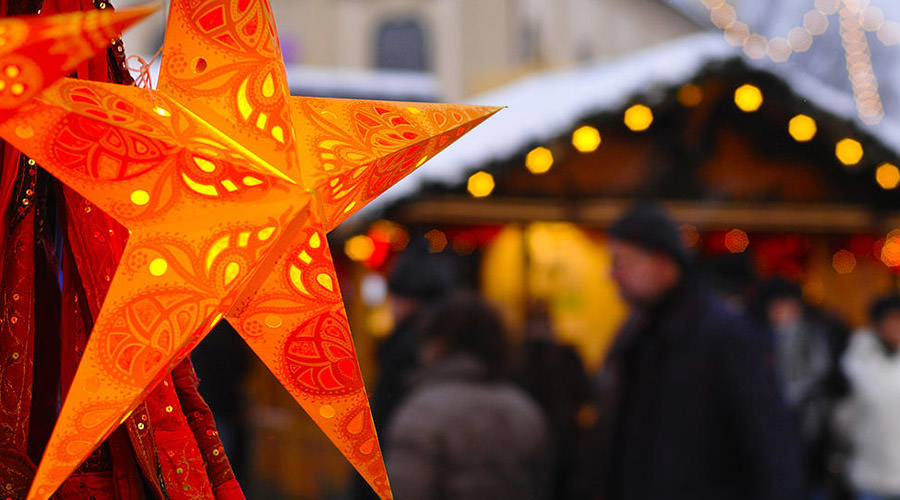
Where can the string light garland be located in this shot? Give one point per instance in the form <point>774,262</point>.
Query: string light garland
<point>855,18</point>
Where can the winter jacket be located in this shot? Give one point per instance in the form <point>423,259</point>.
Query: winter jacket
<point>690,409</point>
<point>554,376</point>
<point>805,364</point>
<point>873,414</point>
<point>461,436</point>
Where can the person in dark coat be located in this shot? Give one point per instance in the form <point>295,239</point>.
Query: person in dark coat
<point>418,279</point>
<point>691,408</point>
<point>553,374</point>
<point>806,363</point>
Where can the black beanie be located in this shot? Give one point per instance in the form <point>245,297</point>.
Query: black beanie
<point>883,306</point>
<point>420,274</point>
<point>649,226</point>
<point>778,288</point>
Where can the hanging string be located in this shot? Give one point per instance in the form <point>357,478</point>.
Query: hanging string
<point>139,65</point>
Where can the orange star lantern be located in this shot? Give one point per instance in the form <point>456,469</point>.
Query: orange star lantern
<point>35,52</point>
<point>228,186</point>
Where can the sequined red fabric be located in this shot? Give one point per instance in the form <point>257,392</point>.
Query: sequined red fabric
<point>57,256</point>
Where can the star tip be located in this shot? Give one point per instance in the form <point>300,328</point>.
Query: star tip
<point>492,110</point>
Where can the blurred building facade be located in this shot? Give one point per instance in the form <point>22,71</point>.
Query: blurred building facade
<point>469,45</point>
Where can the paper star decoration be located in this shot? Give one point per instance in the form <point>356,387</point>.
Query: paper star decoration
<point>228,187</point>
<point>35,52</point>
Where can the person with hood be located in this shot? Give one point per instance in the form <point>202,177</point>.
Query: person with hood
<point>871,414</point>
<point>690,405</point>
<point>463,432</point>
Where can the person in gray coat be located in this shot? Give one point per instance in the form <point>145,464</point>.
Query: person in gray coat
<point>463,433</point>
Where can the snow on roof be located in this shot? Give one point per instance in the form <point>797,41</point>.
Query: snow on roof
<point>543,106</point>
<point>546,105</point>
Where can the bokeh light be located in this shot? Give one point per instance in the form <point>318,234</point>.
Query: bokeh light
<point>848,151</point>
<point>586,139</point>
<point>359,248</point>
<point>481,184</point>
<point>843,261</point>
<point>748,98</point>
<point>690,235</point>
<point>815,22</point>
<point>638,117</point>
<point>437,240</point>
<point>887,175</point>
<point>737,241</point>
<point>690,95</point>
<point>802,128</point>
<point>756,46</point>
<point>890,250</point>
<point>539,160</point>
<point>779,49</point>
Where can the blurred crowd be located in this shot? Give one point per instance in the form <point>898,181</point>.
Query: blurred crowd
<point>720,385</point>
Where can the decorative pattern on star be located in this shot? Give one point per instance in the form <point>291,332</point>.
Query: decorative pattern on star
<point>228,187</point>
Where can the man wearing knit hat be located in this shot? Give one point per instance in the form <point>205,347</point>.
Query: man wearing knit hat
<point>690,408</point>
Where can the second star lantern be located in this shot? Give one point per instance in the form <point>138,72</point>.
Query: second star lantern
<point>228,187</point>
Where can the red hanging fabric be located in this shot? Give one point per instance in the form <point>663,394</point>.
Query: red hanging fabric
<point>169,444</point>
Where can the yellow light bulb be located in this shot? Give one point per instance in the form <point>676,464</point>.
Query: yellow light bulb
<point>539,160</point>
<point>848,151</point>
<point>586,139</point>
<point>748,98</point>
<point>638,117</point>
<point>887,175</point>
<point>802,128</point>
<point>359,248</point>
<point>481,184</point>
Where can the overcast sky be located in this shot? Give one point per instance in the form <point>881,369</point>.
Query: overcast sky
<point>825,60</point>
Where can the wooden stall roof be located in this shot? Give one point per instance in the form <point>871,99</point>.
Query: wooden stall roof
<point>716,164</point>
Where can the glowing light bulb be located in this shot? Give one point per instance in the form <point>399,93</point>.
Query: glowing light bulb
<point>843,261</point>
<point>481,184</point>
<point>539,160</point>
<point>359,248</point>
<point>638,117</point>
<point>748,98</point>
<point>848,151</point>
<point>887,175</point>
<point>736,241</point>
<point>802,128</point>
<point>690,95</point>
<point>586,139</point>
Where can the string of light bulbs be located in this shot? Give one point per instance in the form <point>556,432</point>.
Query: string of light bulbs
<point>855,18</point>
